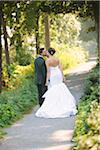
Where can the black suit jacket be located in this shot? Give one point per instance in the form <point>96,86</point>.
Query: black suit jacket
<point>40,70</point>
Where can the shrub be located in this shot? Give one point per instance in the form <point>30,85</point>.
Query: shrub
<point>89,139</point>
<point>24,58</point>
<point>86,132</point>
<point>70,57</point>
<point>92,80</point>
<point>2,133</point>
<point>20,97</point>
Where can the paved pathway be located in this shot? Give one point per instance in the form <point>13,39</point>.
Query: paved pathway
<point>31,133</point>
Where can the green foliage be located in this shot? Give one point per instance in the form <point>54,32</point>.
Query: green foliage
<point>24,57</point>
<point>87,122</point>
<point>65,28</point>
<point>20,97</point>
<point>2,133</point>
<point>70,57</point>
<point>83,110</point>
<point>31,13</point>
<point>82,7</point>
<point>87,129</point>
<point>92,80</point>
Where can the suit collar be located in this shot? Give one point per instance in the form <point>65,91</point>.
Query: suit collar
<point>40,56</point>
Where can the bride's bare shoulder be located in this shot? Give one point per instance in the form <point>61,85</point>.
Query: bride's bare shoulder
<point>53,61</point>
<point>56,60</point>
<point>47,62</point>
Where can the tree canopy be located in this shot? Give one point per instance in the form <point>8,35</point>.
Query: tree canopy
<point>22,18</point>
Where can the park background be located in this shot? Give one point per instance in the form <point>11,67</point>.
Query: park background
<point>72,28</point>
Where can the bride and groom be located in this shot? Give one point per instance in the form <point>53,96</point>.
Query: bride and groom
<point>55,99</point>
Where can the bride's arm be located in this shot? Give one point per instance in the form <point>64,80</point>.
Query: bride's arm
<point>48,73</point>
<point>60,67</point>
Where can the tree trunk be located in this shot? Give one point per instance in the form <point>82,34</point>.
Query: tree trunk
<point>96,6</point>
<point>37,35</point>
<point>6,44</point>
<point>47,34</point>
<point>0,48</point>
<point>18,46</point>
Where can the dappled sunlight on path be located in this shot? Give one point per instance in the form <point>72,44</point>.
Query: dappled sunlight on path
<point>83,68</point>
<point>32,133</point>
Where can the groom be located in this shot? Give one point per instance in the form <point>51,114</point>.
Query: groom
<point>40,71</point>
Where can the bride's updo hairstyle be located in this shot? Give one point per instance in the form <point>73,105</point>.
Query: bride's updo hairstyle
<point>51,51</point>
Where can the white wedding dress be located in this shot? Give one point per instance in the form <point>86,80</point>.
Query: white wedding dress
<point>59,102</point>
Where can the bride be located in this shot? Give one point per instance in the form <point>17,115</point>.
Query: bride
<point>59,102</point>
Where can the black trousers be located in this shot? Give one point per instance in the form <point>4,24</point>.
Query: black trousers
<point>41,90</point>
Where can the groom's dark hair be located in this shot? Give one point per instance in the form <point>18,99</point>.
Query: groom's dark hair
<point>41,50</point>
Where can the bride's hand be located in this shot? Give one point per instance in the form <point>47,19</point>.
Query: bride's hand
<point>46,84</point>
<point>64,79</point>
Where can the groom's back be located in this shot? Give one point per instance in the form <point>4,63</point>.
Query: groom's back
<point>40,70</point>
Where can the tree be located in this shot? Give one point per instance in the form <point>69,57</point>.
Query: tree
<point>37,33</point>
<point>6,43</point>
<point>83,9</point>
<point>32,15</point>
<point>23,18</point>
<point>47,34</point>
<point>96,6</point>
<point>0,48</point>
